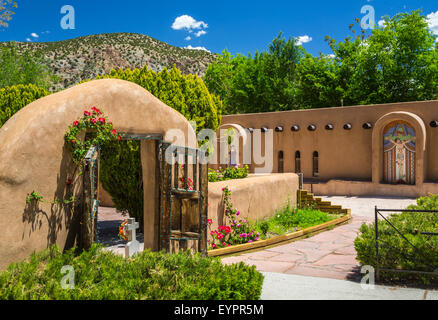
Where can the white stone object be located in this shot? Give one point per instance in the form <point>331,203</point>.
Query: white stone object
<point>133,246</point>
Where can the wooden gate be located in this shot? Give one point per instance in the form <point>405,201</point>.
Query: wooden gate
<point>90,202</point>
<point>183,199</point>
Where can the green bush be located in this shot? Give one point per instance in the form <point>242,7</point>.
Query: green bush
<point>394,251</point>
<point>13,98</point>
<point>149,275</point>
<point>291,220</point>
<point>228,173</point>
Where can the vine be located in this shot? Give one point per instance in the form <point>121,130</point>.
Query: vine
<point>102,131</point>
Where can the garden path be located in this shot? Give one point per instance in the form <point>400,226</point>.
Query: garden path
<point>329,254</point>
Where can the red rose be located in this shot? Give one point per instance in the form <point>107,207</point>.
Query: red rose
<point>219,236</point>
<point>87,113</point>
<point>93,121</point>
<point>76,123</point>
<point>102,120</point>
<point>119,138</point>
<point>210,221</point>
<point>114,132</point>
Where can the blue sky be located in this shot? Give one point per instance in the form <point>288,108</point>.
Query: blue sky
<point>240,26</point>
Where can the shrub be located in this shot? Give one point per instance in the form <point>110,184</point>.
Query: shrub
<point>13,98</point>
<point>394,251</point>
<point>149,275</point>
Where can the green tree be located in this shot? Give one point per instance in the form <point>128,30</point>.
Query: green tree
<point>398,62</point>
<point>6,7</point>
<point>13,98</point>
<point>23,68</point>
<point>259,83</point>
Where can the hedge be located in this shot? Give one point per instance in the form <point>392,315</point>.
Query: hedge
<point>103,275</point>
<point>13,98</point>
<point>394,251</point>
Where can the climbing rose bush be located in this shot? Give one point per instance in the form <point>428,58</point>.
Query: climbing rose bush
<point>239,231</point>
<point>95,122</point>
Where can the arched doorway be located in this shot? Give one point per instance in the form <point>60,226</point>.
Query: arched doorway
<point>399,153</point>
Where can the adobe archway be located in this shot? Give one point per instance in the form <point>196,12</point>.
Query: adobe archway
<point>33,157</point>
<point>377,144</point>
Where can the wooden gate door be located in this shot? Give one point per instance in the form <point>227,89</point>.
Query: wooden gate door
<point>183,199</point>
<point>90,202</point>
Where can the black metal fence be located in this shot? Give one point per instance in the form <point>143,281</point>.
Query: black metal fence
<point>417,255</point>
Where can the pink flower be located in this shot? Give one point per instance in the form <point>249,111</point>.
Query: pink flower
<point>237,213</point>
<point>213,246</point>
<point>249,241</point>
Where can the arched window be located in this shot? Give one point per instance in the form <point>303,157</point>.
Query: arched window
<point>315,164</point>
<point>297,162</point>
<point>280,162</point>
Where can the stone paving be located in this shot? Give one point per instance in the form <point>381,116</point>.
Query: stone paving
<point>329,254</point>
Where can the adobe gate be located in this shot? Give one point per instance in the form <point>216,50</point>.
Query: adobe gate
<point>181,202</point>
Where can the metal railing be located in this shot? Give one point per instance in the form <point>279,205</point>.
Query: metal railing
<point>419,257</point>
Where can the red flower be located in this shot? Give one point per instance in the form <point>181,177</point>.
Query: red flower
<point>93,121</point>
<point>87,113</point>
<point>102,120</point>
<point>69,182</point>
<point>227,230</point>
<point>114,132</point>
<point>219,236</point>
<point>76,123</point>
<point>73,141</point>
<point>210,221</point>
<point>119,138</point>
<point>97,110</point>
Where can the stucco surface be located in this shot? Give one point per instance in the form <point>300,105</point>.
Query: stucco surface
<point>349,155</point>
<point>33,157</point>
<point>256,197</point>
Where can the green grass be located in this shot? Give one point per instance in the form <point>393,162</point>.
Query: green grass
<point>290,220</point>
<point>103,275</point>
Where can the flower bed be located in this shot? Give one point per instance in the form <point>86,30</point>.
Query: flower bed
<point>291,220</point>
<point>229,173</point>
<point>287,224</point>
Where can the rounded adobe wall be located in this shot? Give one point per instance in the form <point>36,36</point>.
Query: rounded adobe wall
<point>33,157</point>
<point>377,144</point>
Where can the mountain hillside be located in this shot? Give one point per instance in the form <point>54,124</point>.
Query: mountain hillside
<point>85,57</point>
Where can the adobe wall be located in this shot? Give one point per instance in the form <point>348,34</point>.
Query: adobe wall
<point>343,154</point>
<point>33,157</point>
<point>353,155</point>
<point>256,197</point>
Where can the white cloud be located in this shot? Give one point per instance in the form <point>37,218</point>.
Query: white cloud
<point>188,23</point>
<point>200,33</point>
<point>188,38</point>
<point>33,34</point>
<point>28,39</point>
<point>196,48</point>
<point>303,39</point>
<point>433,21</point>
